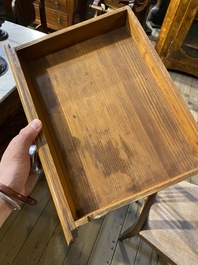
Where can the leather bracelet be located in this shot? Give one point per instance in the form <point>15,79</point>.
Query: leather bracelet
<point>11,201</point>
<point>9,192</point>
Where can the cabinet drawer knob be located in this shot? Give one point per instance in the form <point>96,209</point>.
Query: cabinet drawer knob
<point>57,4</point>
<point>59,20</point>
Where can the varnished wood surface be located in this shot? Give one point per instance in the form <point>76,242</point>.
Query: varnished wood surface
<point>59,14</point>
<point>116,129</point>
<point>172,42</point>
<point>34,235</point>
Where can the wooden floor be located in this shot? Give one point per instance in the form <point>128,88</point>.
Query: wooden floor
<point>34,235</point>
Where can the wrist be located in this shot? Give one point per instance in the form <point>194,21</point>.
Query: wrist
<point>5,209</point>
<point>6,178</point>
<point>7,191</point>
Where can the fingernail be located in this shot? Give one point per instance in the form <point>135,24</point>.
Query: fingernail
<point>36,124</point>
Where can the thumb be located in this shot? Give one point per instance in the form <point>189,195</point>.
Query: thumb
<point>21,143</point>
<point>32,129</point>
<point>29,133</point>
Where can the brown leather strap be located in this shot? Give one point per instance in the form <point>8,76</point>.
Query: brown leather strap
<point>9,192</point>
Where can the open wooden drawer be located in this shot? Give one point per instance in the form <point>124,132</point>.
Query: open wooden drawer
<point>115,129</point>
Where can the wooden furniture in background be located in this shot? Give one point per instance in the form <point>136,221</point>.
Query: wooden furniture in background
<point>21,12</point>
<point>158,12</point>
<point>61,13</point>
<point>171,227</point>
<point>139,7</point>
<point>177,44</point>
<point>110,137</point>
<point>42,12</point>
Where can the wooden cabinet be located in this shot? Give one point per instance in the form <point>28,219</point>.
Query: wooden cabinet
<point>59,13</point>
<point>177,43</point>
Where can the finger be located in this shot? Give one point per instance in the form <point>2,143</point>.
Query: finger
<point>30,183</point>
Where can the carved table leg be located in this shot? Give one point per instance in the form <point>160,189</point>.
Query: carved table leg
<point>43,16</point>
<point>137,226</point>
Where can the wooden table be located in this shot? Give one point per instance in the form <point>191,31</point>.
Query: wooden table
<point>9,99</point>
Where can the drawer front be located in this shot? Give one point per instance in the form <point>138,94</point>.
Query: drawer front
<point>56,5</point>
<point>55,20</point>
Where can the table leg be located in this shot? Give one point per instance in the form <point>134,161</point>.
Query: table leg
<point>43,16</point>
<point>137,226</point>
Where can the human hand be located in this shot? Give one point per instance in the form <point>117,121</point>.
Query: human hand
<point>15,163</point>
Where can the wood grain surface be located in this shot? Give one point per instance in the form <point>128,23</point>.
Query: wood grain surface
<point>115,128</point>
